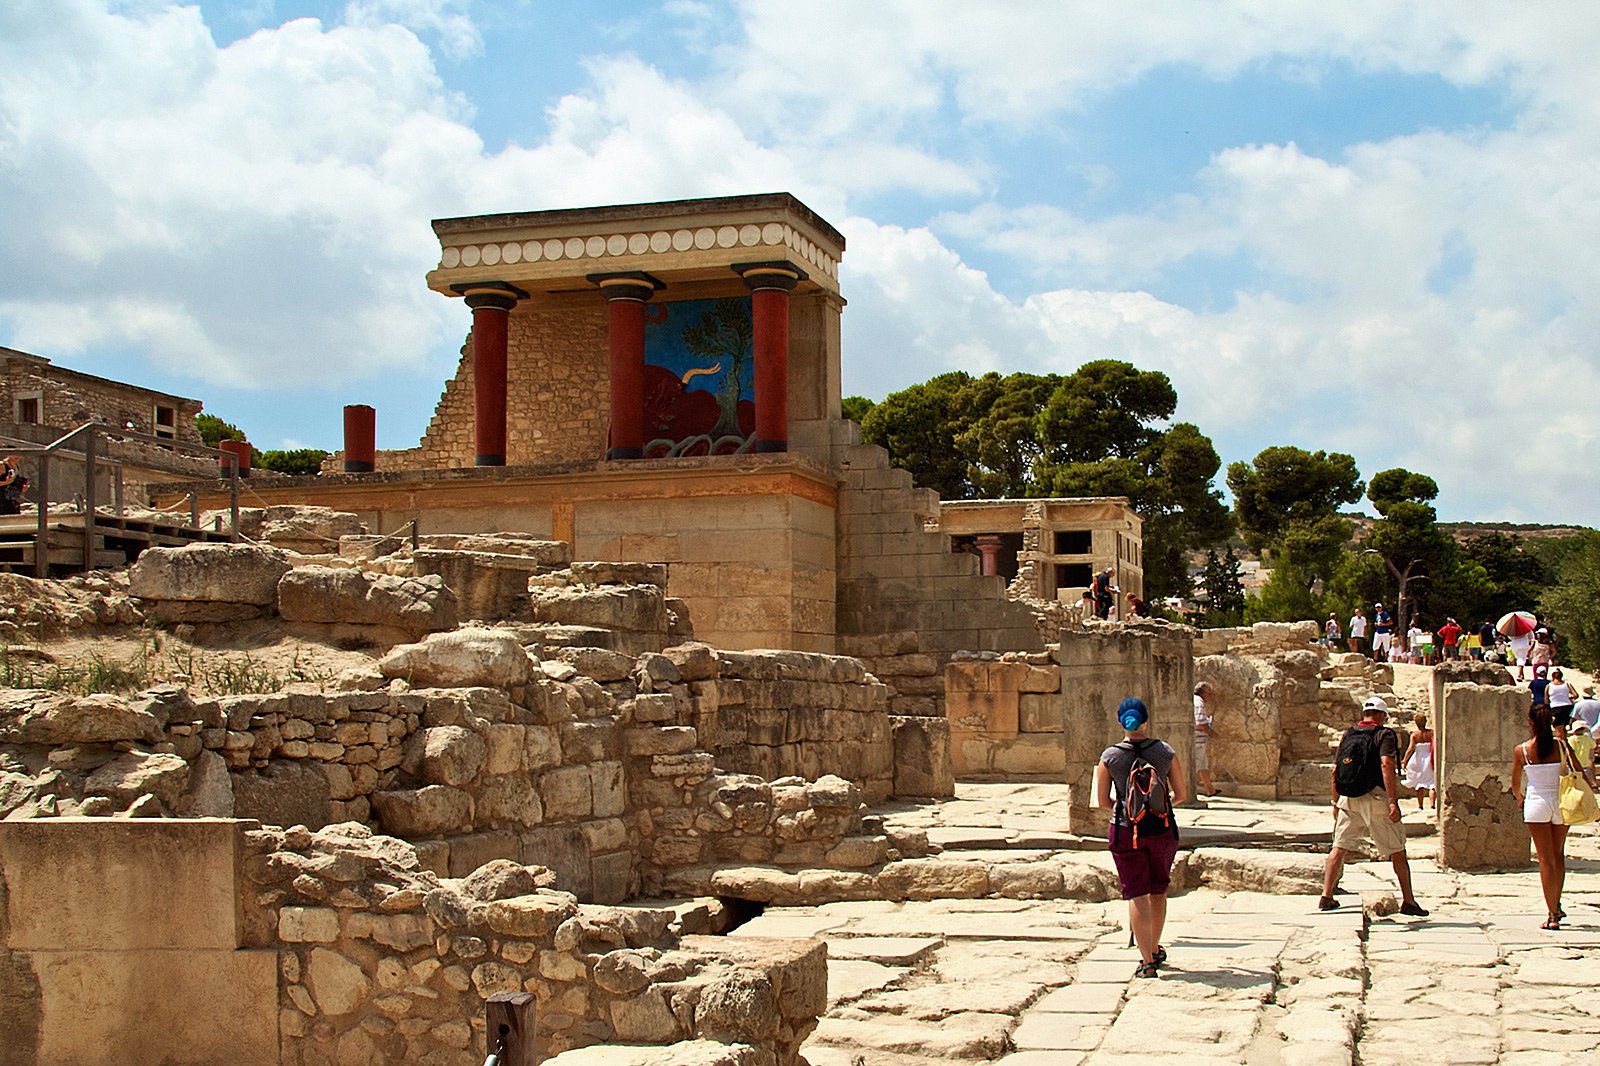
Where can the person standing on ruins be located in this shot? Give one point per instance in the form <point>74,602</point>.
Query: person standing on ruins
<point>1382,633</point>
<point>1332,635</point>
<point>1450,639</point>
<point>1140,781</point>
<point>1203,732</point>
<point>1358,631</point>
<point>1366,804</point>
<point>12,482</point>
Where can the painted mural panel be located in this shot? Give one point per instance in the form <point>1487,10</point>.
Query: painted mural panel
<point>699,378</point>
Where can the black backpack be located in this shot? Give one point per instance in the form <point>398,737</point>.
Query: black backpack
<point>1358,768</point>
<point>1148,804</point>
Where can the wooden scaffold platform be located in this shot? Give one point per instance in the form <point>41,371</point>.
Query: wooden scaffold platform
<point>113,540</point>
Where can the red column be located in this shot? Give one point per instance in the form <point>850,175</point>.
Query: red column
<point>989,547</point>
<point>491,303</point>
<point>240,450</point>
<point>770,285</point>
<point>626,294</point>
<point>360,438</point>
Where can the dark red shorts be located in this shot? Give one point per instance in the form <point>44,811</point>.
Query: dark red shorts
<point>1145,870</point>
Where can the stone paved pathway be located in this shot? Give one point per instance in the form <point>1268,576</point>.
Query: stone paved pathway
<point>1254,978</point>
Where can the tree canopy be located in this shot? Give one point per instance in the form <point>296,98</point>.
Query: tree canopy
<point>1095,432</point>
<point>214,430</point>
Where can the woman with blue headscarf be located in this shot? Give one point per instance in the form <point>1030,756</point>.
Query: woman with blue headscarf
<point>1139,781</point>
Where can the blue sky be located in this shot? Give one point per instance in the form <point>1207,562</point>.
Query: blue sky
<point>1367,227</point>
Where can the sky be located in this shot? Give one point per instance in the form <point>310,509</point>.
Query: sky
<point>1370,227</point>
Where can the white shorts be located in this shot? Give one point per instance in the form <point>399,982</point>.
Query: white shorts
<point>1381,641</point>
<point>1538,808</point>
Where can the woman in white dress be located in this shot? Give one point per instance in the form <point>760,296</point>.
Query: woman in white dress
<point>1536,781</point>
<point>1419,772</point>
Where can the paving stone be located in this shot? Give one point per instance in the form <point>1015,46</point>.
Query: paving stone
<point>848,979</point>
<point>1061,1032</point>
<point>889,950</point>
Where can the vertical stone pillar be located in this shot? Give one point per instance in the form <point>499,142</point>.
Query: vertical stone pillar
<point>360,438</point>
<point>770,285</point>
<point>626,294</point>
<point>491,303</point>
<point>1480,821</point>
<point>989,545</point>
<point>1099,668</point>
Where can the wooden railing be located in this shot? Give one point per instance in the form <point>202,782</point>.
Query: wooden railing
<point>92,435</point>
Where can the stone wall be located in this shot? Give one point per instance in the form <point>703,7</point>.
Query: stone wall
<point>1480,821</point>
<point>68,398</point>
<point>270,945</point>
<point>1263,638</point>
<point>1006,716</point>
<point>475,748</point>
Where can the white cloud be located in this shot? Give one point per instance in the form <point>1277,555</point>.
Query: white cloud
<point>458,36</point>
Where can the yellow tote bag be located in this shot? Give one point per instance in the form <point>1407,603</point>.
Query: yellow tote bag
<point>1578,804</point>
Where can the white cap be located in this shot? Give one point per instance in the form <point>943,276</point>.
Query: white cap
<point>1375,703</point>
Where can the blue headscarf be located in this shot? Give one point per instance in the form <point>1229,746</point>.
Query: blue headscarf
<point>1131,714</point>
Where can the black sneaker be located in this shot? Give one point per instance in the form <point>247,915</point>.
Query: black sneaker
<point>1414,909</point>
<point>1327,903</point>
<point>1160,958</point>
<point>1148,969</point>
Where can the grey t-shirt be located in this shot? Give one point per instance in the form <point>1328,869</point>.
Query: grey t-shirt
<point>1119,760</point>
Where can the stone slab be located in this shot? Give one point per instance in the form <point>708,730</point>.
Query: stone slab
<point>120,884</point>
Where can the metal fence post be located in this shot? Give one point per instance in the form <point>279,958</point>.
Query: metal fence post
<point>508,1028</point>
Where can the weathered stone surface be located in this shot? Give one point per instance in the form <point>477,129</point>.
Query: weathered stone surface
<point>685,1053</point>
<point>285,793</point>
<point>531,916</point>
<point>337,984</point>
<point>452,755</point>
<point>433,810</point>
<point>490,658</point>
<point>223,573</point>
<point>133,774</point>
<point>327,595</point>
<point>29,716</point>
<point>503,879</point>
<point>210,788</point>
<point>922,764</point>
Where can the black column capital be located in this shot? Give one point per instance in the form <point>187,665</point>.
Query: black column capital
<point>779,274</point>
<point>497,294</point>
<point>633,285</point>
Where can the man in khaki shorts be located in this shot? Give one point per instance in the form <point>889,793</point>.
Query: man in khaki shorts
<point>1366,804</point>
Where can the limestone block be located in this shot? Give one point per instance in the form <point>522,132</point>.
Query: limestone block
<point>204,1007</point>
<point>470,851</point>
<point>1030,755</point>
<point>452,755</point>
<point>32,716</point>
<point>922,765</point>
<point>433,810</point>
<point>508,799</point>
<point>175,885</point>
<point>326,595</point>
<point>934,879</point>
<point>313,925</point>
<point>695,661</point>
<point>631,608</point>
<point>567,793</point>
<point>225,573</point>
<point>285,793</point>
<point>1480,821</point>
<point>1040,713</point>
<point>531,917</point>
<point>133,774</point>
<point>601,664</point>
<point>491,658</point>
<point>337,984</point>
<point>211,788</point>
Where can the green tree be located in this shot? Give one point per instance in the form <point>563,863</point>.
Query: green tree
<point>1407,537</point>
<point>1092,433</point>
<point>1224,591</point>
<point>214,430</point>
<point>1572,605</point>
<point>917,426</point>
<point>1516,576</point>
<point>293,461</point>
<point>1286,502</point>
<point>855,408</point>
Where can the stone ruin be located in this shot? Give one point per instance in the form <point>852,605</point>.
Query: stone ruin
<point>537,784</point>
